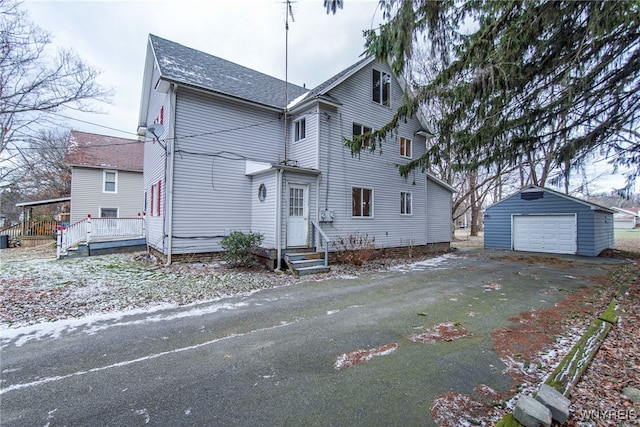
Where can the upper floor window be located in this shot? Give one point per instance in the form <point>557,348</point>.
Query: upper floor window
<point>110,181</point>
<point>382,88</point>
<point>405,203</point>
<point>405,147</point>
<point>359,129</point>
<point>361,202</point>
<point>299,129</point>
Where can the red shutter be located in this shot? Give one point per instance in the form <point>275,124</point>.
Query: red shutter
<point>158,199</point>
<point>152,196</point>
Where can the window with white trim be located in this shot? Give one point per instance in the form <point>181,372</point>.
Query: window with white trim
<point>361,202</point>
<point>381,88</point>
<point>300,129</point>
<point>110,181</point>
<point>365,131</point>
<point>405,147</point>
<point>108,212</point>
<point>405,203</point>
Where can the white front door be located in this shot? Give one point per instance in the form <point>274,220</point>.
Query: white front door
<point>298,216</point>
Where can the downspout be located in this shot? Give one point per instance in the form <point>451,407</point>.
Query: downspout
<point>326,194</point>
<point>279,218</point>
<point>171,153</point>
<point>319,178</point>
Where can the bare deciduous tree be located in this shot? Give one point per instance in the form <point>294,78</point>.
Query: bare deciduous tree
<point>34,82</point>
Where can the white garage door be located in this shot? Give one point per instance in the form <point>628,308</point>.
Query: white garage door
<point>545,233</point>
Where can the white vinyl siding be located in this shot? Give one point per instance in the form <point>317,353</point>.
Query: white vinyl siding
<point>263,212</point>
<point>342,171</point>
<point>304,153</point>
<point>155,162</point>
<point>438,219</point>
<point>214,137</point>
<point>212,194</point>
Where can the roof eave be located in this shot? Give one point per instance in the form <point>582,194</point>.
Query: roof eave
<point>224,95</point>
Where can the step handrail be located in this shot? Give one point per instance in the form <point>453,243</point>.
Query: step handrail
<point>316,226</point>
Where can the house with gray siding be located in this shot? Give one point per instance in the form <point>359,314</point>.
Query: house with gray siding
<point>538,219</point>
<point>106,176</point>
<point>228,148</point>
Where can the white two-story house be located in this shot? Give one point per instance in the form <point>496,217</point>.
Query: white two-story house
<point>224,152</point>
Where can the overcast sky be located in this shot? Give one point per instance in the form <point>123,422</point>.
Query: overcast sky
<point>112,36</point>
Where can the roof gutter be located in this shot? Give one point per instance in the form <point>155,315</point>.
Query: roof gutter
<point>223,95</point>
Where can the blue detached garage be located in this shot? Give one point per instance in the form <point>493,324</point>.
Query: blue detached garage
<point>538,219</point>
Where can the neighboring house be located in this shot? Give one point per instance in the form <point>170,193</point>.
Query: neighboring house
<point>538,219</point>
<point>227,158</point>
<point>625,218</point>
<point>106,176</point>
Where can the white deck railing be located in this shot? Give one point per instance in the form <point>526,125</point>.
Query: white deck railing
<point>99,230</point>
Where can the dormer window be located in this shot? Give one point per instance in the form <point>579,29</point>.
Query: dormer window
<point>382,88</point>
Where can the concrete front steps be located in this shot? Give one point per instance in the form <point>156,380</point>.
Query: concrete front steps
<point>305,261</point>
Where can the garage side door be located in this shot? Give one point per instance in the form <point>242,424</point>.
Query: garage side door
<point>545,233</point>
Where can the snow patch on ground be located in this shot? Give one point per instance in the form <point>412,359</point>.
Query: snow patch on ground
<point>357,357</point>
<point>97,322</point>
<point>430,263</point>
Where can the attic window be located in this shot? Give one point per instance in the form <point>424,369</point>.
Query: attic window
<point>532,195</point>
<point>382,88</point>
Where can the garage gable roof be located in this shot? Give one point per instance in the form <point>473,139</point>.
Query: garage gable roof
<point>535,188</point>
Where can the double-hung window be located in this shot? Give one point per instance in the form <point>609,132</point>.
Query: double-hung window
<point>405,147</point>
<point>361,202</point>
<point>299,129</point>
<point>365,131</point>
<point>110,181</point>
<point>405,203</point>
<point>381,88</point>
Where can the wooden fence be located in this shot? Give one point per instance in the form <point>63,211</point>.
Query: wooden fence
<point>30,233</point>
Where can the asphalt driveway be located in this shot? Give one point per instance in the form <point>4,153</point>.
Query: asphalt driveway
<point>272,358</point>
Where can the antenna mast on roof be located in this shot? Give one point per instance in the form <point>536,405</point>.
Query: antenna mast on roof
<point>288,12</point>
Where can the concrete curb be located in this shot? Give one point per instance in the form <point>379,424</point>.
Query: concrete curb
<point>570,369</point>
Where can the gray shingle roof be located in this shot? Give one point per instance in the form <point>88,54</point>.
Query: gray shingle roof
<point>188,66</point>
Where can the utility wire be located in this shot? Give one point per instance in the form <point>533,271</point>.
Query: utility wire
<point>164,139</point>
